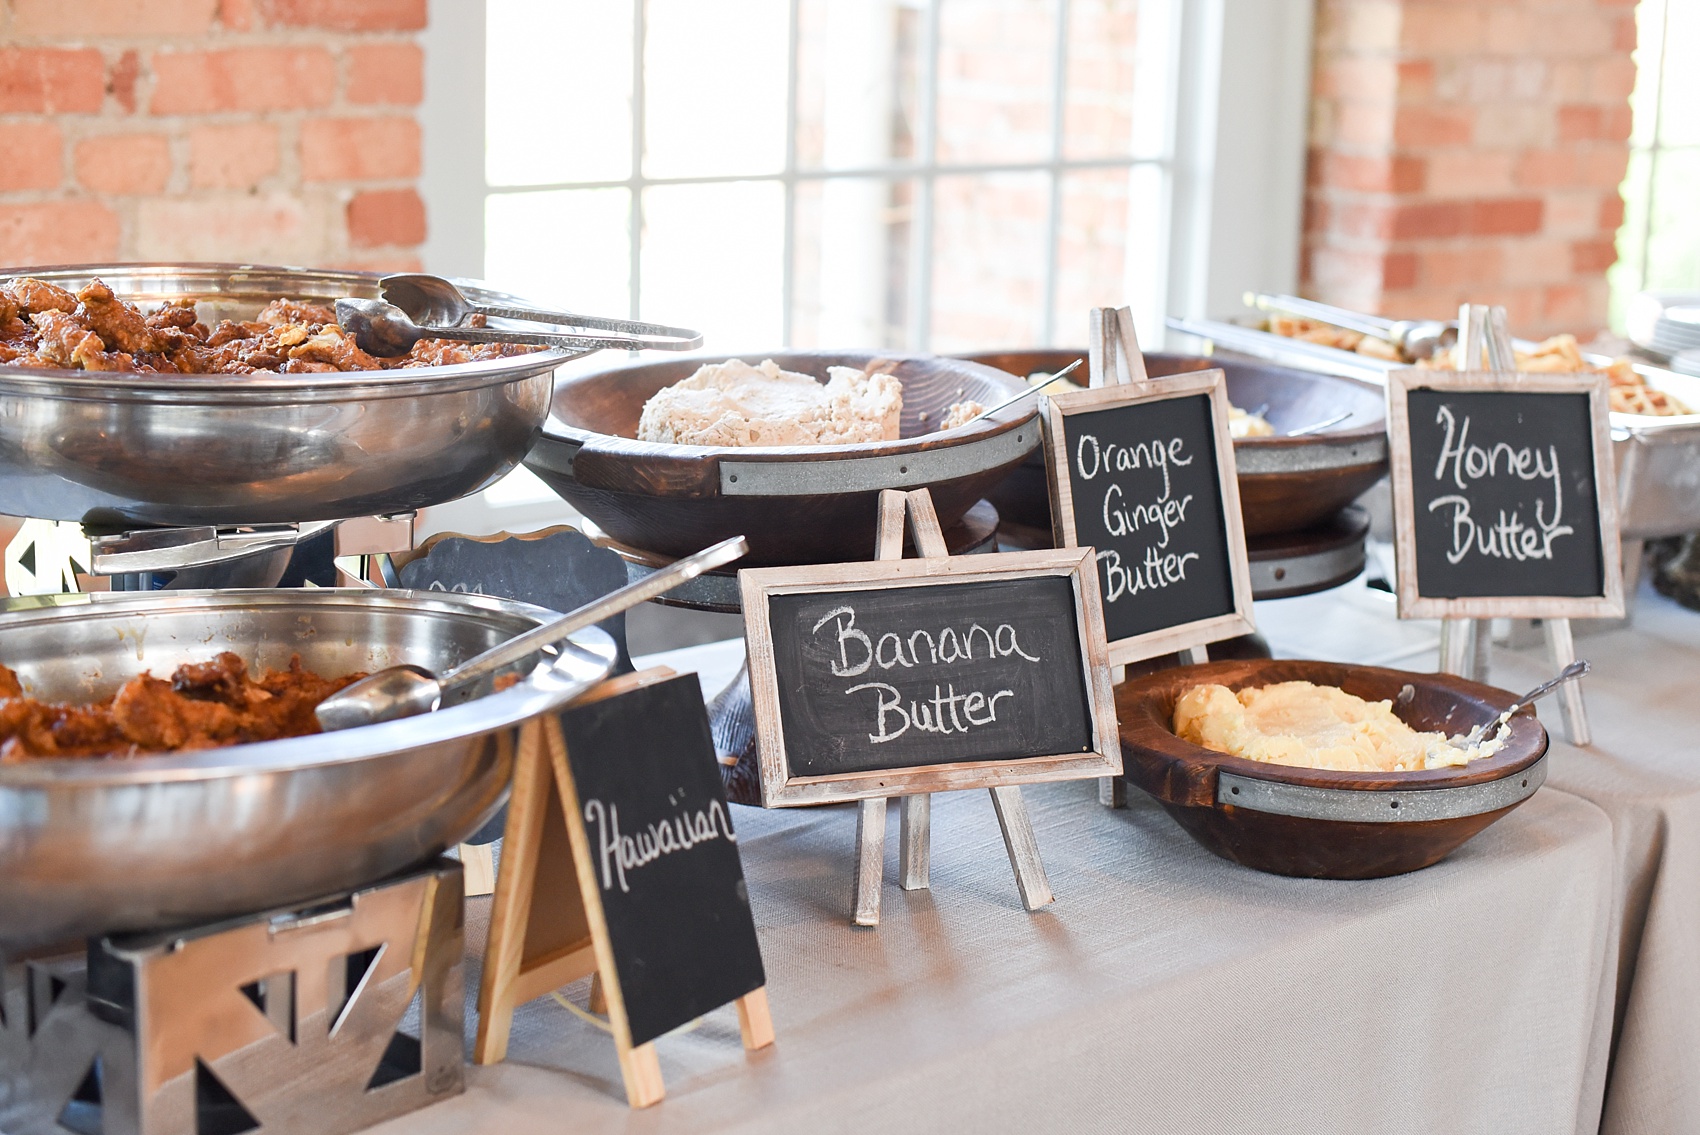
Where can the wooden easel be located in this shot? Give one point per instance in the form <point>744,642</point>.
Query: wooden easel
<point>914,845</point>
<point>1114,359</point>
<point>547,927</point>
<point>1466,644</point>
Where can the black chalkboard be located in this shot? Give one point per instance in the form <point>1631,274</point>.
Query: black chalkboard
<point>559,569</point>
<point>904,676</point>
<point>1503,495</point>
<point>1146,493</point>
<point>664,854</point>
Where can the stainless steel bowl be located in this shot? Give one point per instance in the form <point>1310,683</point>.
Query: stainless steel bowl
<point>91,846</point>
<point>185,450</point>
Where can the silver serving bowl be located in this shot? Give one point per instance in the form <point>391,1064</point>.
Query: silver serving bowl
<point>185,450</point>
<point>92,846</point>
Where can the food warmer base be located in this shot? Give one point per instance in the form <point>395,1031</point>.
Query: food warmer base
<point>318,1020</point>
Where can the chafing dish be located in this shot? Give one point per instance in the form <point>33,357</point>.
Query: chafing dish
<point>91,846</point>
<point>185,450</point>
<point>1658,458</point>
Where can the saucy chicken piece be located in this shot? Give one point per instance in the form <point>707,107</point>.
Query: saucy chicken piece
<point>45,326</point>
<point>203,705</point>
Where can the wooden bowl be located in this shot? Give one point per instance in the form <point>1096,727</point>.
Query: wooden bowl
<point>795,504</point>
<point>1286,483</point>
<point>1319,823</point>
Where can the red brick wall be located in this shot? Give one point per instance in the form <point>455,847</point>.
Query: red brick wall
<point>281,131</point>
<point>1469,152</point>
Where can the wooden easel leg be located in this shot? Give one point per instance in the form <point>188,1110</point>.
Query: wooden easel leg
<point>641,1070</point>
<point>1481,662</point>
<point>1562,647</point>
<point>870,861</point>
<point>755,1023</point>
<point>915,841</point>
<point>1195,655</point>
<point>1454,645</point>
<point>1023,848</point>
<point>598,1002</point>
<point>512,909</point>
<point>1112,790</point>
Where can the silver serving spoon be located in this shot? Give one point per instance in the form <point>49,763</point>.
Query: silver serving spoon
<point>1570,673</point>
<point>385,331</point>
<point>1408,692</point>
<point>406,691</point>
<point>432,301</point>
<point>1034,389</point>
<point>1318,427</point>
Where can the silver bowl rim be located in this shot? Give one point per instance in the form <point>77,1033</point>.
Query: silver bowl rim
<point>100,386</point>
<point>548,687</point>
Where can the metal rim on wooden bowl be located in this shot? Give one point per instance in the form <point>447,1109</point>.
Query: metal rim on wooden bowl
<point>1399,821</point>
<point>795,504</point>
<point>1286,483</point>
<point>756,471</point>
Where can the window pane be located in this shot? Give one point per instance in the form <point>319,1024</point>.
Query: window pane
<point>989,238</point>
<point>1679,118</point>
<point>1091,250</point>
<point>714,87</point>
<point>996,81</point>
<point>1673,253</point>
<point>713,260</point>
<point>566,247</point>
<point>1098,98</point>
<point>1626,275</point>
<point>558,82</point>
<point>852,94</point>
<point>851,279</point>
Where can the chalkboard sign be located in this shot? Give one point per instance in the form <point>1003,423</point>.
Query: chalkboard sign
<point>1143,472</point>
<point>558,568</point>
<point>663,854</point>
<point>903,676</point>
<point>1504,495</point>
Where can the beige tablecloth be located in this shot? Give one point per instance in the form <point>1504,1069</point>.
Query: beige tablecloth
<point>1643,771</point>
<point>1165,990</point>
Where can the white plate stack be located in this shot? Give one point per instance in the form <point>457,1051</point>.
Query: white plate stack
<point>1668,323</point>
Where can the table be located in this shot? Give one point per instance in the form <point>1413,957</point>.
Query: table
<point>1642,772</point>
<point>1164,990</point>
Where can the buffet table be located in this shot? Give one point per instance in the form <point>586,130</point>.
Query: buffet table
<point>1164,990</point>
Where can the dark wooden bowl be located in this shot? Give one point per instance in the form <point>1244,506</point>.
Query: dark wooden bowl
<point>1286,483</point>
<point>1375,837</point>
<point>795,504</point>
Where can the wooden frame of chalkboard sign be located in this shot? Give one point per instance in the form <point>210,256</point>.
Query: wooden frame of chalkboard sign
<point>784,781</point>
<point>1467,611</point>
<point>817,764</point>
<point>1413,603</point>
<point>1224,613</point>
<point>551,924</point>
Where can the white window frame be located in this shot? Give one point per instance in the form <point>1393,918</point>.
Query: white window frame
<point>1233,156</point>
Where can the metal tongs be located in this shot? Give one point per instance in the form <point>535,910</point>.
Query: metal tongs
<point>417,306</point>
<point>1416,338</point>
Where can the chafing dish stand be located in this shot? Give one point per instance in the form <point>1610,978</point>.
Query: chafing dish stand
<point>317,1020</point>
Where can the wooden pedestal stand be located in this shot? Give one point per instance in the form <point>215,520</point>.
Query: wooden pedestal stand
<point>547,928</point>
<point>914,846</point>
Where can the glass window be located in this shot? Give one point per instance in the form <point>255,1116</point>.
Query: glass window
<point>920,174</point>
